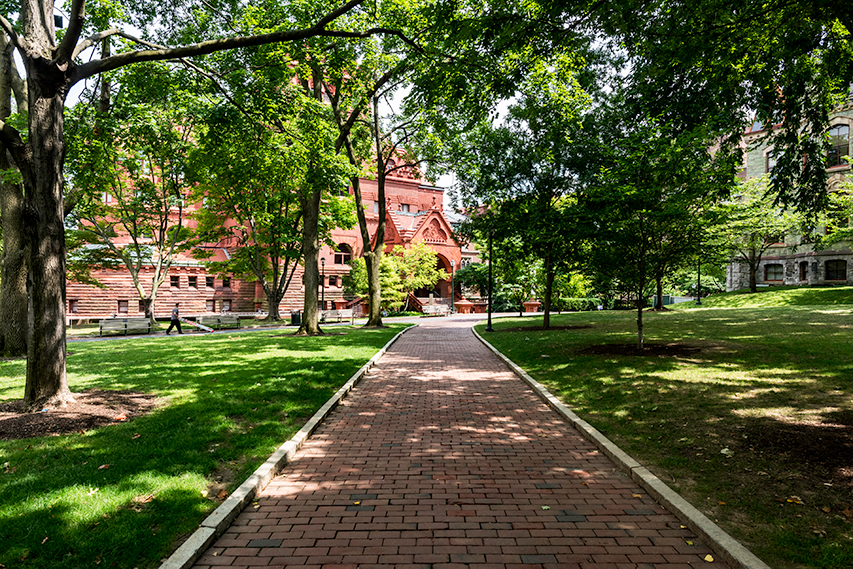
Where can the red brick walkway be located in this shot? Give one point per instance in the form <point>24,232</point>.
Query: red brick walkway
<point>442,458</point>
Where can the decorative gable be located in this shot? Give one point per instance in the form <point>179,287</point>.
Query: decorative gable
<point>434,233</point>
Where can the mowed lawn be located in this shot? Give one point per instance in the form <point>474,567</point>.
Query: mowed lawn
<point>124,494</point>
<point>748,414</point>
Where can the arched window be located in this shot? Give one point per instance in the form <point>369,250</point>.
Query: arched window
<point>343,254</point>
<point>836,270</point>
<point>839,145</point>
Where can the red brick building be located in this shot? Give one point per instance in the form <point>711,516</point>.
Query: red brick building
<point>414,214</point>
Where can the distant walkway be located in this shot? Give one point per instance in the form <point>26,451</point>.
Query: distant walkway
<point>442,458</point>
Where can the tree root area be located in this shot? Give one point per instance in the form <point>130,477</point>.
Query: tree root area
<point>650,349</point>
<point>91,409</point>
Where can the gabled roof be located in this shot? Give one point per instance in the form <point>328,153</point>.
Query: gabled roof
<point>429,226</point>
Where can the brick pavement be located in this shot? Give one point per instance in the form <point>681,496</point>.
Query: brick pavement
<point>443,458</point>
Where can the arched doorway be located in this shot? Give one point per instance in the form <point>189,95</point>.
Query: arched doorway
<point>442,287</point>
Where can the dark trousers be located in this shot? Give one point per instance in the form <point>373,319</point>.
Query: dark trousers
<point>173,324</point>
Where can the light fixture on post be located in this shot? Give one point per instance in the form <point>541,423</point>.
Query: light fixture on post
<point>452,292</point>
<point>323,284</point>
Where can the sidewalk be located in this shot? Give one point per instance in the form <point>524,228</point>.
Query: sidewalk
<point>443,458</point>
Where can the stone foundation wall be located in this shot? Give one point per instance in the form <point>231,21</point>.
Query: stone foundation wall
<point>737,274</point>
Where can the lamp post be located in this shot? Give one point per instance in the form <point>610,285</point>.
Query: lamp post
<point>489,325</point>
<point>452,292</point>
<point>323,283</point>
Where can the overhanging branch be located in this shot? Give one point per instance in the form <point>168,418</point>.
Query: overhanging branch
<point>212,46</point>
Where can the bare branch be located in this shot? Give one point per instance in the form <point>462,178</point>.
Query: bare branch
<point>10,31</point>
<point>75,28</point>
<point>212,46</point>
<point>93,39</point>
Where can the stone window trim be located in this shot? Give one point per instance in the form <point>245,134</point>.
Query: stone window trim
<point>803,270</point>
<point>835,270</point>
<point>839,133</point>
<point>343,254</point>
<point>774,272</point>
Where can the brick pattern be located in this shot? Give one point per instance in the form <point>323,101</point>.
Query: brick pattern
<point>441,458</point>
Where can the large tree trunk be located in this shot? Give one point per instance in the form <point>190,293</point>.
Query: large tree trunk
<point>309,200</point>
<point>13,281</point>
<point>374,291</point>
<point>46,383</point>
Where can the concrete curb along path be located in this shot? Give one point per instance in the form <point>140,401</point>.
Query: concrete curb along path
<point>217,522</point>
<point>724,545</point>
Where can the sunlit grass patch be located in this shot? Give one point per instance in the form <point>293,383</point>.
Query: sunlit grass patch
<point>120,496</point>
<point>758,410</point>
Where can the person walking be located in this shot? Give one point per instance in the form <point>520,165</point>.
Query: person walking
<point>175,321</point>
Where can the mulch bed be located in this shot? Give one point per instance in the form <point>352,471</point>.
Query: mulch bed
<point>91,409</point>
<point>541,329</point>
<point>650,349</point>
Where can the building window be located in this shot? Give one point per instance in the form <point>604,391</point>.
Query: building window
<point>804,268</point>
<point>122,307</point>
<point>839,145</point>
<point>226,306</point>
<point>375,207</point>
<point>404,208</point>
<point>226,282</point>
<point>175,281</point>
<point>193,282</point>
<point>210,305</point>
<point>836,270</point>
<point>333,280</point>
<point>773,272</point>
<point>107,198</point>
<point>141,307</point>
<point>465,262</point>
<point>343,255</point>
<point>208,282</point>
<point>769,162</point>
<point>73,305</point>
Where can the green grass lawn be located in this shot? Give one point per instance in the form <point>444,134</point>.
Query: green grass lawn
<point>227,402</point>
<point>776,296</point>
<point>752,422</point>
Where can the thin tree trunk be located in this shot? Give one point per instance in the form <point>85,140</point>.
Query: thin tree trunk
<point>13,272</point>
<point>640,321</point>
<point>549,285</point>
<point>374,291</point>
<point>659,293</point>
<point>309,199</point>
<point>13,282</point>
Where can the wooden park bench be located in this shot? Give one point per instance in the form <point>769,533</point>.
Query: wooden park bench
<point>435,309</point>
<point>125,326</point>
<point>342,314</point>
<point>220,321</point>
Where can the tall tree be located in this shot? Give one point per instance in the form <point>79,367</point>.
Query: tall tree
<point>645,211</point>
<point>750,223</point>
<point>128,163</point>
<point>729,64</point>
<point>250,193</point>
<point>53,64</point>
